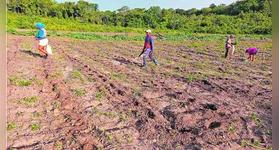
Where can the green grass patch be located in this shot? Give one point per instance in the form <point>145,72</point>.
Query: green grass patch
<point>102,130</point>
<point>111,115</point>
<point>137,91</point>
<point>170,37</point>
<point>35,127</point>
<point>79,92</point>
<point>98,95</point>
<point>101,93</point>
<point>258,121</point>
<point>11,126</point>
<point>36,114</point>
<point>57,105</point>
<point>121,76</point>
<point>29,100</point>
<point>20,82</point>
<point>122,117</point>
<point>231,128</point>
<point>194,76</point>
<point>172,102</point>
<point>77,74</point>
<point>58,144</point>
<point>110,137</point>
<point>255,144</point>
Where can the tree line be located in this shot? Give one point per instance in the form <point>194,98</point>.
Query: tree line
<point>240,17</point>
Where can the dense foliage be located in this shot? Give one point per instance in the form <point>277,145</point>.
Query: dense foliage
<point>240,17</point>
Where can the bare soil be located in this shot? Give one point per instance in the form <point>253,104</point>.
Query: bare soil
<point>92,95</point>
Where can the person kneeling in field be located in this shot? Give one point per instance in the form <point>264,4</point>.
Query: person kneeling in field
<point>252,52</point>
<point>148,49</point>
<point>42,37</point>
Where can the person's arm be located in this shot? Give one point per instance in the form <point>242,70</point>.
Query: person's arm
<point>145,40</point>
<point>229,42</point>
<point>142,49</point>
<point>141,53</point>
<point>144,46</point>
<point>152,45</point>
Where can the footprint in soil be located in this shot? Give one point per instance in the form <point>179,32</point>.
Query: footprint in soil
<point>192,100</point>
<point>151,114</point>
<point>183,104</point>
<point>112,85</point>
<point>172,95</point>
<point>205,82</point>
<point>168,114</point>
<point>136,102</point>
<point>183,130</point>
<point>210,106</point>
<point>120,92</point>
<point>214,125</point>
<point>54,87</point>
<point>141,123</point>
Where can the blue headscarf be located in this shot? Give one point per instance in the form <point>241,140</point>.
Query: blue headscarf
<point>40,25</point>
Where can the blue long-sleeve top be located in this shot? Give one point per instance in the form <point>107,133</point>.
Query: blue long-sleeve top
<point>149,43</point>
<point>41,34</point>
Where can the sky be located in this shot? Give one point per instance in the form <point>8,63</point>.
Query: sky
<point>182,4</point>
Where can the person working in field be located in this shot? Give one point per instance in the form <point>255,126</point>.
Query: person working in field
<point>42,37</point>
<point>252,52</point>
<point>148,49</point>
<point>229,45</point>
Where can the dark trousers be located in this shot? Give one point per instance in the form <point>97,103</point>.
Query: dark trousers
<point>227,51</point>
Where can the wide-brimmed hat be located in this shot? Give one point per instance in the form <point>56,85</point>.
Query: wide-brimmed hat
<point>40,25</point>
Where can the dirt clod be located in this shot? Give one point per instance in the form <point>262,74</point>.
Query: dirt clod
<point>214,125</point>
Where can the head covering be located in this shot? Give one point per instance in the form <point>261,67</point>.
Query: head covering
<point>233,36</point>
<point>148,31</point>
<point>40,25</point>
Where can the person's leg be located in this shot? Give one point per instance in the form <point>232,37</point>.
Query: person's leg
<point>45,48</point>
<point>42,49</point>
<point>253,57</point>
<point>227,51</point>
<point>250,57</point>
<point>42,46</point>
<point>45,44</point>
<point>145,55</point>
<point>153,59</point>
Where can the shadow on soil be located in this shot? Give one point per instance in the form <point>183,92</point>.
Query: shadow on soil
<point>32,53</point>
